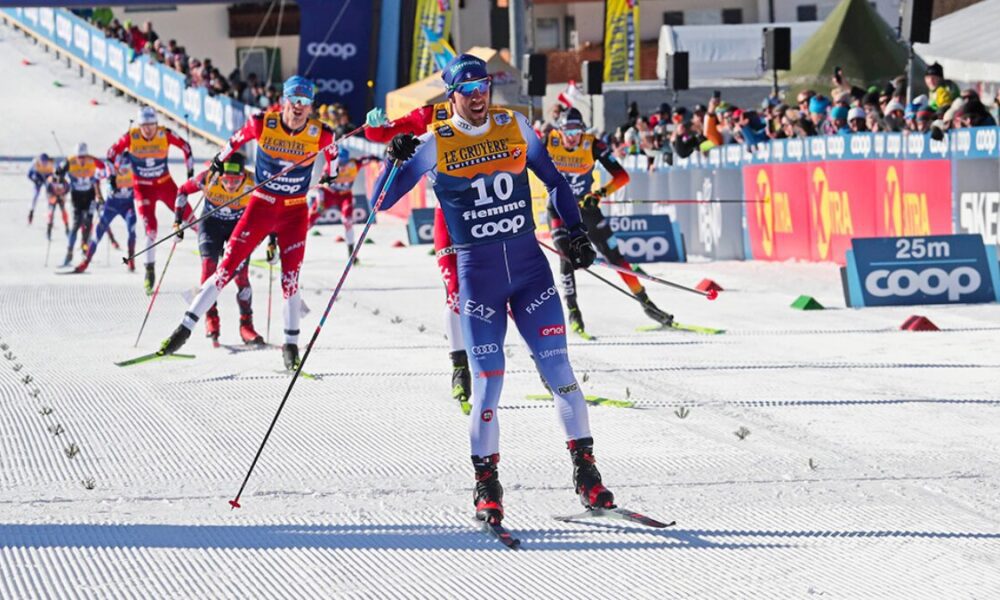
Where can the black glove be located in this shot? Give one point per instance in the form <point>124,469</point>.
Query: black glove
<point>178,223</point>
<point>325,180</point>
<point>402,147</point>
<point>113,181</point>
<point>213,171</point>
<point>581,253</point>
<point>560,239</point>
<point>190,172</point>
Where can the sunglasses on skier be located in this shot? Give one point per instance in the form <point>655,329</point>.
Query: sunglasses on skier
<point>572,131</point>
<point>468,88</point>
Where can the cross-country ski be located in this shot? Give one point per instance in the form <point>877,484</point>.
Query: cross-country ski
<point>375,292</point>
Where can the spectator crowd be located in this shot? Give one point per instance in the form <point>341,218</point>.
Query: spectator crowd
<point>679,132</point>
<point>197,73</point>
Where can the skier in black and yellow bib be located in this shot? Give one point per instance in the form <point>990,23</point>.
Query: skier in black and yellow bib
<point>576,154</point>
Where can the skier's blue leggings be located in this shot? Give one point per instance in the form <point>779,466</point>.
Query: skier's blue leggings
<point>114,207</point>
<point>515,273</point>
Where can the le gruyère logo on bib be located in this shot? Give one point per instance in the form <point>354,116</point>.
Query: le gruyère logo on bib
<point>478,153</point>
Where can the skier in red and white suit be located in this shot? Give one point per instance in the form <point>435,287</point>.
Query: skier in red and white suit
<point>416,122</point>
<point>278,208</point>
<point>147,146</point>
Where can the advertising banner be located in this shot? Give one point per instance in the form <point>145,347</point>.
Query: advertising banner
<point>621,40</point>
<point>943,269</point>
<point>648,238</point>
<point>976,182</point>
<point>718,227</point>
<point>778,215</point>
<point>334,51</point>
<point>841,206</point>
<point>333,216</point>
<point>420,226</point>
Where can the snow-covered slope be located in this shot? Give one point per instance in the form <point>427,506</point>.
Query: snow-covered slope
<point>870,469</point>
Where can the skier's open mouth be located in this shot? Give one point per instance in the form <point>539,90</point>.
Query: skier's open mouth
<point>477,106</point>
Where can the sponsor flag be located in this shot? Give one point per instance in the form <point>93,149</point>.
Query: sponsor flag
<point>432,26</point>
<point>621,40</point>
<point>440,49</point>
<point>573,96</point>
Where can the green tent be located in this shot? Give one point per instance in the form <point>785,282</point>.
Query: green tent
<point>855,38</point>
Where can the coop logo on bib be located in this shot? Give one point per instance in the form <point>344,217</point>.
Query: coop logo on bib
<point>486,230</point>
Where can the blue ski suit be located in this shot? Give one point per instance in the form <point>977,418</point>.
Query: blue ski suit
<point>481,181</point>
<point>119,203</point>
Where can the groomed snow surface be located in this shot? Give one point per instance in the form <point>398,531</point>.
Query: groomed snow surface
<point>870,469</point>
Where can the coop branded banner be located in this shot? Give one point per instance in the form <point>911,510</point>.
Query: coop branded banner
<point>333,216</point>
<point>431,27</point>
<point>648,238</point>
<point>149,81</point>
<point>420,226</point>
<point>945,269</point>
<point>621,40</point>
<point>334,51</point>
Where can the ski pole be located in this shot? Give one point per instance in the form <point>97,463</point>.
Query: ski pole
<point>723,201</point>
<point>159,282</point>
<point>58,145</point>
<point>711,294</point>
<point>270,289</point>
<point>48,247</point>
<point>281,173</point>
<point>156,292</point>
<point>235,502</point>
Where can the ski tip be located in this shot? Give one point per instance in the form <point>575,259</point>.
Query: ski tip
<point>235,503</point>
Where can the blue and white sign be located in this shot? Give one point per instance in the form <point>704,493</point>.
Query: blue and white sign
<point>937,269</point>
<point>648,238</point>
<point>333,216</point>
<point>420,226</point>
<point>335,51</point>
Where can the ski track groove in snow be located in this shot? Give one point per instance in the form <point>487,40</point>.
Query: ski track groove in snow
<point>364,488</point>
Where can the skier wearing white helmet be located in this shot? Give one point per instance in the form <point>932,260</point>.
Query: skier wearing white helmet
<point>147,146</point>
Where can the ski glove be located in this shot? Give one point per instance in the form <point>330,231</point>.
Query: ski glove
<point>190,172</point>
<point>178,223</point>
<point>376,118</point>
<point>591,200</point>
<point>403,147</point>
<point>113,182</point>
<point>215,170</point>
<point>581,253</point>
<point>560,239</point>
<point>326,180</point>
<point>272,250</point>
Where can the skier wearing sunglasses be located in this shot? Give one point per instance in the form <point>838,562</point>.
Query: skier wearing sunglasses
<point>478,160</point>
